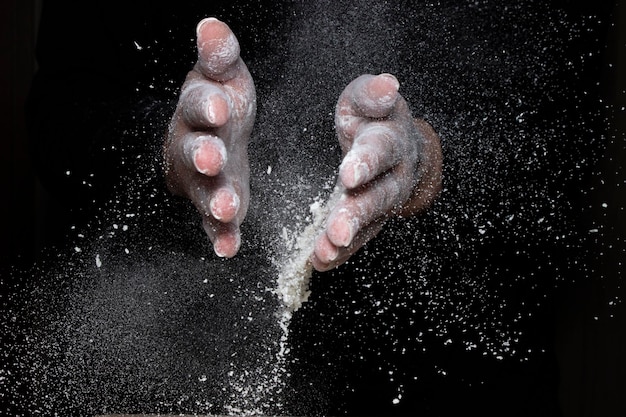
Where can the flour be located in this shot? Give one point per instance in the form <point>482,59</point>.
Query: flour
<point>296,269</point>
<point>292,288</point>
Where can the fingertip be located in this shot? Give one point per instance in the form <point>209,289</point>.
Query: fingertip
<point>202,23</point>
<point>212,29</point>
<point>353,172</point>
<point>325,252</point>
<point>204,104</point>
<point>224,205</point>
<point>375,96</point>
<point>218,48</point>
<point>342,228</point>
<point>387,82</point>
<point>217,110</point>
<point>227,244</point>
<point>208,155</point>
<point>319,265</point>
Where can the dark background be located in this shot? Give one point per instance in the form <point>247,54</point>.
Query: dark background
<point>591,335</point>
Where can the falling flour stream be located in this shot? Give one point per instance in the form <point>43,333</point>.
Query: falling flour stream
<point>294,273</point>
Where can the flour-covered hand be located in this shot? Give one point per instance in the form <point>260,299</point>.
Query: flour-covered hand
<point>206,145</point>
<point>391,167</point>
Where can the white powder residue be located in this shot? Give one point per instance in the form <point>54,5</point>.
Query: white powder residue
<point>296,269</point>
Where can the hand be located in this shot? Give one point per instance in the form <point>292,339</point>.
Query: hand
<point>391,167</point>
<point>206,146</point>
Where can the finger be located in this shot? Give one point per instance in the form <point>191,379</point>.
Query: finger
<point>218,50</point>
<point>375,150</point>
<point>204,105</point>
<point>327,256</point>
<point>373,96</point>
<point>205,154</point>
<point>361,207</point>
<point>226,237</point>
<point>217,198</point>
<point>367,97</point>
<point>224,204</point>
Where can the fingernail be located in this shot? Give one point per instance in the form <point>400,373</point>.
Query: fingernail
<point>217,110</point>
<point>202,23</point>
<point>220,242</point>
<point>210,168</point>
<point>218,251</point>
<point>355,175</point>
<point>393,79</point>
<point>220,196</point>
<point>353,171</point>
<point>352,225</point>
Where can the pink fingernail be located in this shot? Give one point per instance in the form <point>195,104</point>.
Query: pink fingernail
<point>220,241</point>
<point>215,166</point>
<point>392,78</point>
<point>217,250</point>
<point>202,23</point>
<point>352,224</point>
<point>220,195</point>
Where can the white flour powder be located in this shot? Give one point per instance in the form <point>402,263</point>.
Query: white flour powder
<point>296,269</point>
